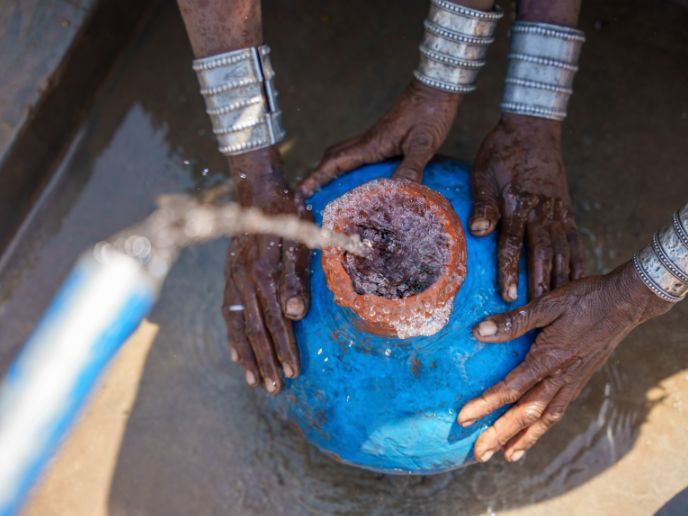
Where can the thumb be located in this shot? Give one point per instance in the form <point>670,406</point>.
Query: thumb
<point>485,213</point>
<point>294,289</point>
<point>513,324</point>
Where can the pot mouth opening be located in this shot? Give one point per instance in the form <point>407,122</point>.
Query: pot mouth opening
<point>409,250</point>
<point>405,286</point>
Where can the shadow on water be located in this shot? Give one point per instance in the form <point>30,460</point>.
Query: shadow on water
<point>198,440</point>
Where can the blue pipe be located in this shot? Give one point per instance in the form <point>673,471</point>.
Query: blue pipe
<point>99,306</point>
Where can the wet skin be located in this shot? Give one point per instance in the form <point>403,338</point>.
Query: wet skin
<point>582,323</point>
<point>414,128</point>
<point>266,278</point>
<point>519,182</point>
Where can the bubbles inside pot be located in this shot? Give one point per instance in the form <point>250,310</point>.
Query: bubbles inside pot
<point>408,247</point>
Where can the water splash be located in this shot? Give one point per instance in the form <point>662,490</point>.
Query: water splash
<point>181,221</point>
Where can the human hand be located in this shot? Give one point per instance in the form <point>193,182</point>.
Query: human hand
<point>415,127</point>
<point>519,176</point>
<point>582,323</point>
<point>266,278</point>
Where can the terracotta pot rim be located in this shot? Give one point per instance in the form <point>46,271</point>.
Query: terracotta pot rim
<point>381,315</point>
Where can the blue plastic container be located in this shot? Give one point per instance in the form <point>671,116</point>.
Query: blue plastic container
<point>390,405</point>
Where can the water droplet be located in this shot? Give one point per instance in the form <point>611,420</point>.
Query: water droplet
<point>320,351</point>
<point>242,175</point>
<point>388,352</point>
<point>235,308</point>
<point>187,162</point>
<point>205,172</point>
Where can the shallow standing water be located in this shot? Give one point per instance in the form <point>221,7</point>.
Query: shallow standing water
<point>196,439</point>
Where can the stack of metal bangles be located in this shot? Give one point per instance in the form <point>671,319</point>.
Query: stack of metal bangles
<point>542,63</point>
<point>454,46</point>
<point>663,265</point>
<point>241,99</point>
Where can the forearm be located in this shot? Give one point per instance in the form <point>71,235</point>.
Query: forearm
<point>542,62</point>
<point>219,26</point>
<point>556,12</point>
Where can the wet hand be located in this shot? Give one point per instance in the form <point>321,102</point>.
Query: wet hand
<point>582,323</point>
<point>414,128</point>
<point>266,279</point>
<point>519,177</point>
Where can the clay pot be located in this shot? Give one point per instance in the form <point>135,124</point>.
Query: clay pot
<point>386,404</point>
<point>425,226</point>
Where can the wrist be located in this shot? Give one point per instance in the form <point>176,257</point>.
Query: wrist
<point>644,303</point>
<point>257,175</point>
<point>429,94</point>
<point>531,125</point>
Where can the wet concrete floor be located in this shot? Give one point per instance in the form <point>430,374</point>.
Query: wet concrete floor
<point>174,430</point>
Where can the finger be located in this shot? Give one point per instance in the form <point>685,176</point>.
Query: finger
<point>239,347</point>
<point>485,212</point>
<point>523,441</point>
<point>418,150</point>
<point>338,159</point>
<point>527,412</point>
<point>576,250</point>
<point>279,327</point>
<point>258,335</point>
<point>540,252</point>
<point>533,369</point>
<point>511,325</point>
<point>294,291</point>
<point>513,223</point>
<point>560,246</point>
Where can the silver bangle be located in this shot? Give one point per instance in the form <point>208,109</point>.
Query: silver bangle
<point>663,265</point>
<point>542,65</point>
<point>454,45</point>
<point>241,99</point>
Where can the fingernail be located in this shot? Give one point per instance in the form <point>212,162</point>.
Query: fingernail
<point>271,385</point>
<point>295,307</point>
<point>467,423</point>
<point>233,355</point>
<point>512,292</point>
<point>288,371</point>
<point>486,456</point>
<point>479,225</point>
<point>517,455</point>
<point>250,378</point>
<point>487,328</point>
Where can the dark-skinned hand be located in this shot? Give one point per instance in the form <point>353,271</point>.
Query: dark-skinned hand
<point>518,179</point>
<point>266,278</point>
<point>414,128</point>
<point>582,323</point>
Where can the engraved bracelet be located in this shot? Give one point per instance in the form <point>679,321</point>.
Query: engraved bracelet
<point>241,99</point>
<point>663,265</point>
<point>454,45</point>
<point>542,64</point>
